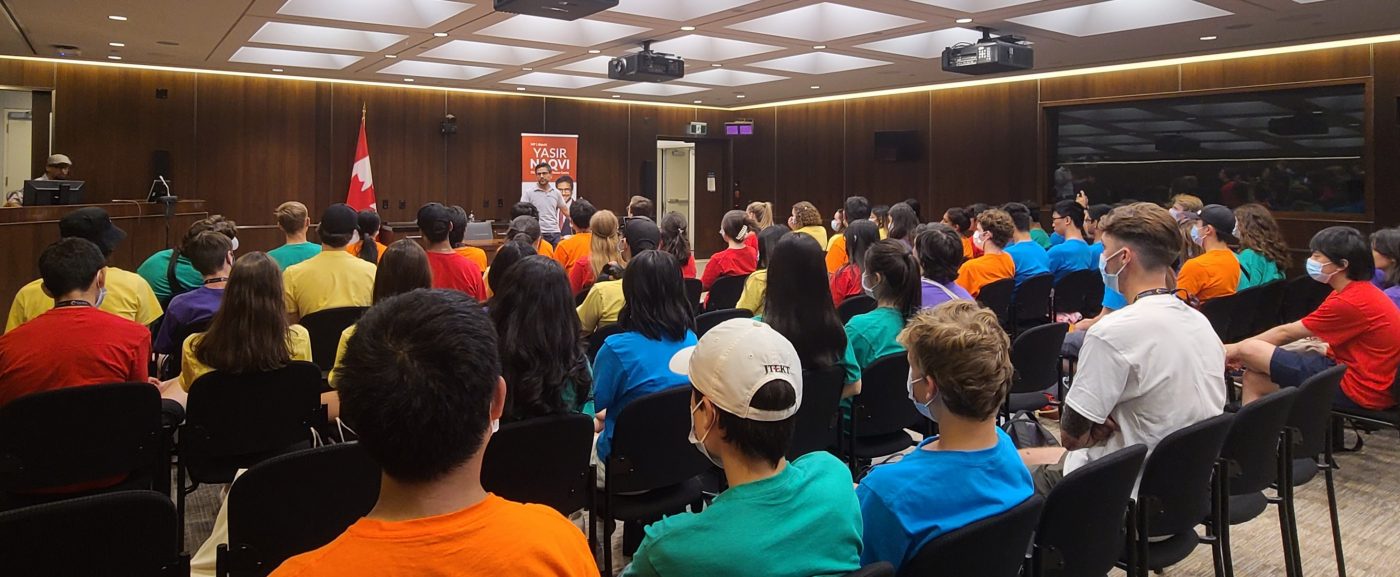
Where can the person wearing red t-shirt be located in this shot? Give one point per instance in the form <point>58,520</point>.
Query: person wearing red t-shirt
<point>738,259</point>
<point>450,270</point>
<point>1357,321</point>
<point>845,283</point>
<point>675,242</point>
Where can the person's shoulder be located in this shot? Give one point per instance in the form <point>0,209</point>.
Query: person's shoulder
<point>539,520</point>
<point>298,332</point>
<point>822,466</point>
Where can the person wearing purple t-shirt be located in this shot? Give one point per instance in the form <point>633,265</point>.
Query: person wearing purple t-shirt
<point>939,250</point>
<point>1385,248</point>
<point>211,254</point>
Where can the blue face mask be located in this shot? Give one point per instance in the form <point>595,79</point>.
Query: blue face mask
<point>922,408</point>
<point>1110,280</point>
<point>1315,271</point>
<point>1196,236</point>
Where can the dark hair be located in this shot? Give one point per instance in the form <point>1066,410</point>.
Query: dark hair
<point>1344,243</point>
<point>975,209</point>
<point>940,251</point>
<point>417,382</point>
<point>507,256</point>
<point>766,440</point>
<point>1387,242</point>
<point>208,251</point>
<point>1097,211</point>
<point>798,303</point>
<point>1073,211</point>
<point>857,208</point>
<point>674,241</point>
<point>538,331</point>
<point>656,303</point>
<point>70,264</point>
<point>433,227</point>
<point>524,209</point>
<point>563,179</point>
<point>903,221</point>
<point>458,217</point>
<point>899,275</point>
<point>733,224</point>
<point>526,227</point>
<point>960,218</point>
<point>767,241</point>
<point>881,212</point>
<point>368,223</point>
<point>404,267</point>
<point>859,237</point>
<point>913,204</point>
<point>249,333</point>
<point>544,165</point>
<point>581,211</point>
<point>1020,215</point>
<point>641,206</point>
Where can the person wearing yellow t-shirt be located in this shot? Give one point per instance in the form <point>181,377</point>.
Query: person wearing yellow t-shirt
<point>994,230</point>
<point>403,267</point>
<point>1216,272</point>
<point>806,220</point>
<point>125,293</point>
<point>334,278</point>
<point>602,306</point>
<point>576,246</point>
<point>856,208</point>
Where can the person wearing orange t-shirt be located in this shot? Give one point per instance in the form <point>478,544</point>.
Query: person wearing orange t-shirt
<point>456,237</point>
<point>993,231</point>
<point>961,221</point>
<point>576,246</point>
<point>368,225</point>
<point>857,208</point>
<point>433,516</point>
<point>1216,272</point>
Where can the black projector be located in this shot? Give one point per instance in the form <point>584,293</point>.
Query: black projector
<point>989,56</point>
<point>556,9</point>
<point>647,66</point>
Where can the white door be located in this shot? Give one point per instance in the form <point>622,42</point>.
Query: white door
<point>675,176</point>
<point>18,142</point>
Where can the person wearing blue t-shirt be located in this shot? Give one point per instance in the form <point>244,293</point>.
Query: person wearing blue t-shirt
<point>959,374</point>
<point>1073,254</point>
<point>1091,229</point>
<point>1029,257</point>
<point>777,518</point>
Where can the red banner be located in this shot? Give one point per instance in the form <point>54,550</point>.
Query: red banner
<point>559,151</point>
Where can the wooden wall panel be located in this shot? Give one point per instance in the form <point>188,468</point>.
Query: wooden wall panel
<point>987,145</point>
<point>24,73</point>
<point>644,125</point>
<point>810,159</point>
<point>1385,136</point>
<point>886,182</point>
<point>602,147</point>
<point>1348,62</point>
<point>483,158</point>
<point>1110,84</point>
<point>755,157</point>
<point>406,147</point>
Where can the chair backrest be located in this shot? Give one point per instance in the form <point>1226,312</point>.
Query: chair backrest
<point>122,533</point>
<point>1036,357</point>
<point>325,327</point>
<point>1268,307</point>
<point>997,297</point>
<point>1218,311</point>
<point>556,472</point>
<point>855,305</point>
<point>651,444</point>
<point>725,292</point>
<point>237,420</point>
<point>1251,449</point>
<point>1079,292</point>
<point>881,569</point>
<point>712,319</point>
<point>883,406</point>
<point>77,434</point>
<point>595,340</point>
<point>1082,529</point>
<point>993,547</point>
<point>816,429</point>
<point>297,502</point>
<point>1312,411</point>
<point>172,365</point>
<point>1301,296</point>
<point>693,289</point>
<point>1176,481</point>
<point>1031,300</point>
<point>1246,309</point>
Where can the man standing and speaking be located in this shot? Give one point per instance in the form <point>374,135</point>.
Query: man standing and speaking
<point>547,201</point>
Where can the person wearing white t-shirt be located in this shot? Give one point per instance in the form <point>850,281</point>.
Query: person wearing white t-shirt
<point>1145,371</point>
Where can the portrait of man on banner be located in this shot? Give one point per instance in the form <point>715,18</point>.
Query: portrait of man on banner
<point>549,179</point>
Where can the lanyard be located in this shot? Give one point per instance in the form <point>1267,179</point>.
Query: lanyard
<point>71,303</point>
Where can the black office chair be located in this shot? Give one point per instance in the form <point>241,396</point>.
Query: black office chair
<point>1384,419</point>
<point>294,503</point>
<point>79,435</point>
<point>853,306</point>
<point>325,327</point>
<point>693,290</point>
<point>595,340</point>
<point>1082,529</point>
<point>712,319</point>
<point>235,421</point>
<point>881,569</point>
<point>880,414</point>
<point>725,292</point>
<point>1219,312</point>
<point>1245,305</point>
<point>1030,302</point>
<point>1301,296</point>
<point>173,362</point>
<point>652,470</point>
<point>1080,292</point>
<point>1270,303</point>
<point>557,473</point>
<point>1308,444</point>
<point>997,297</point>
<point>993,547</point>
<point>1036,357</point>
<point>112,535</point>
<point>582,295</point>
<point>816,428</point>
<point>1252,463</point>
<point>1174,495</point>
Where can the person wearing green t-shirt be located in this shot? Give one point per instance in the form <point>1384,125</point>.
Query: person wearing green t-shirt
<point>294,220</point>
<point>892,277</point>
<point>777,518</point>
<point>156,269</point>
<point>1264,255</point>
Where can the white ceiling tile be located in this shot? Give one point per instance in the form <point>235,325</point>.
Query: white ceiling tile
<point>572,33</point>
<point>298,58</point>
<point>657,89</point>
<point>1119,15</point>
<point>436,70</point>
<point>552,80</point>
<point>974,5</point>
<point>405,13</point>
<point>711,49</point>
<point>823,22</point>
<point>728,77</point>
<point>679,10</point>
<point>594,65</point>
<point>324,37</point>
<point>469,51</point>
<point>819,63</point>
<point>925,45</point>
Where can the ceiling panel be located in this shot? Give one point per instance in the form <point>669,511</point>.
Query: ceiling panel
<point>470,51</point>
<point>297,58</point>
<point>325,37</point>
<point>575,33</point>
<point>406,13</point>
<point>925,44</point>
<point>437,70</point>
<point>677,9</point>
<point>819,63</point>
<point>823,22</point>
<point>1119,15</point>
<point>712,49</point>
<point>654,89</point>
<point>553,80</point>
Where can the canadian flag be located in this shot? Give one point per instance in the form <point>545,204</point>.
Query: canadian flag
<point>361,195</point>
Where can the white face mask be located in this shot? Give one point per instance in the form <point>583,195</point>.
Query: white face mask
<point>835,225</point>
<point>495,426</point>
<point>922,408</point>
<point>234,242</point>
<point>700,442</point>
<point>979,239</point>
<point>868,286</point>
<point>354,237</point>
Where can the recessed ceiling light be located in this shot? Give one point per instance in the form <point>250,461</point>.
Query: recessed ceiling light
<point>391,55</point>
<point>815,87</point>
<point>716,65</point>
<point>595,51</point>
<point>276,69</point>
<point>440,34</point>
<point>114,57</point>
<point>408,80</point>
<point>687,28</point>
<point>699,101</point>
<point>740,96</point>
<point>1209,37</point>
<point>527,69</point>
<point>617,96</point>
<point>117,18</point>
<point>520,88</point>
<point>963,21</point>
<point>116,44</point>
<point>819,47</point>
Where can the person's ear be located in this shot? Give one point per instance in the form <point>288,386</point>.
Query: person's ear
<point>928,381</point>
<point>498,399</point>
<point>704,417</point>
<point>101,280</point>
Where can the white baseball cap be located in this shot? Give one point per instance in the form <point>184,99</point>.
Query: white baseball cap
<point>58,160</point>
<point>736,358</point>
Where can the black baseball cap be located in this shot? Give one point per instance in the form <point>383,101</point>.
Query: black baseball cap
<point>339,219</point>
<point>434,219</point>
<point>94,224</point>
<point>641,234</point>
<point>1222,218</point>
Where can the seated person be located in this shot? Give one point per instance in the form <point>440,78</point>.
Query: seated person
<point>761,215</point>
<point>856,209</point>
<point>1073,254</point>
<point>737,259</point>
<point>938,247</point>
<point>333,278</point>
<point>456,237</point>
<point>1216,272</point>
<point>123,293</point>
<point>776,518</point>
<point>530,227</point>
<point>450,270</point>
<point>961,220</point>
<point>641,207</point>
<point>892,277</point>
<point>542,245</point>
<point>211,254</point>
<point>756,286</point>
<point>294,220</point>
<point>796,307</point>
<point>605,300</point>
<point>1359,324</point>
<point>511,252</point>
<point>604,256</point>
<point>676,243</point>
<point>960,372</point>
<point>807,220</point>
<point>1263,252</point>
<point>1029,258</point>
<point>1385,249</point>
<point>1183,205</point>
<point>169,279</point>
<point>402,268</point>
<point>903,221</point>
<point>543,360</point>
<point>845,282</point>
<point>575,247</point>
<point>992,232</point>
<point>425,394</point>
<point>368,248</point>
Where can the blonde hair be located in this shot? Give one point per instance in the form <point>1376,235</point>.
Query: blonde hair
<point>291,217</point>
<point>807,214</point>
<point>963,347</point>
<point>1191,203</point>
<point>762,213</point>
<point>604,245</point>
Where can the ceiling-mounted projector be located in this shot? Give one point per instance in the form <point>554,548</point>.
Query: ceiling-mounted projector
<point>647,66</point>
<point>989,55</point>
<point>556,9</point>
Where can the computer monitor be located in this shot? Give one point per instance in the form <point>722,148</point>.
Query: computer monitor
<point>52,192</point>
<point>478,231</point>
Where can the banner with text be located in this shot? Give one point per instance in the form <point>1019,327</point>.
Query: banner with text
<point>559,151</point>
